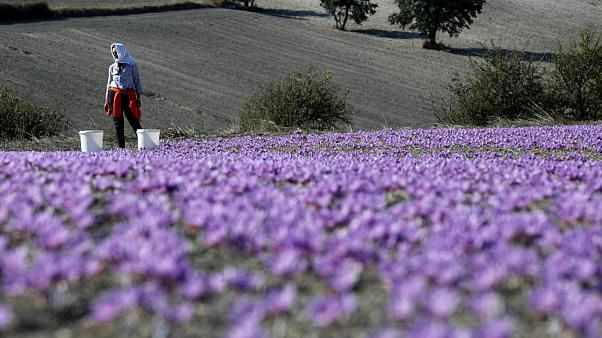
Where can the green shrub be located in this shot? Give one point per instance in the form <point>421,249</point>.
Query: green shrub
<point>304,99</point>
<point>577,78</point>
<point>20,118</point>
<point>501,86</point>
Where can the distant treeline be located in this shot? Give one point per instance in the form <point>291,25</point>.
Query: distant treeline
<point>41,11</point>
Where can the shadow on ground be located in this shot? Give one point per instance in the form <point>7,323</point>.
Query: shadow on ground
<point>546,57</point>
<point>388,34</point>
<point>289,13</point>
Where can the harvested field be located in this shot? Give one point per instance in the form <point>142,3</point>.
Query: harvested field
<point>200,65</point>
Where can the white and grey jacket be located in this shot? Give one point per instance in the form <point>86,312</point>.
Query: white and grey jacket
<point>123,73</point>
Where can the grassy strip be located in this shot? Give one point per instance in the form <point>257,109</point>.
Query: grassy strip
<point>41,11</point>
<point>72,143</point>
<point>58,143</point>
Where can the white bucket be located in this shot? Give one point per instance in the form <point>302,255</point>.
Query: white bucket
<point>91,140</point>
<point>148,138</point>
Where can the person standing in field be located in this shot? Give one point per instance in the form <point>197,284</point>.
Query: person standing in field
<point>123,92</point>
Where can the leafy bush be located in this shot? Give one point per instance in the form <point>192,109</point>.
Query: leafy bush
<point>20,118</point>
<point>501,86</point>
<point>304,99</point>
<point>577,77</point>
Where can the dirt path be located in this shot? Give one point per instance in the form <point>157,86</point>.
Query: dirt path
<point>202,64</point>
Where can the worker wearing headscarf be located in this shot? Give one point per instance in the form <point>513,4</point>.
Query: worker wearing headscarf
<point>123,91</point>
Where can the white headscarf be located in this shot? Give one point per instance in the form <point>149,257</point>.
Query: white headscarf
<point>123,56</point>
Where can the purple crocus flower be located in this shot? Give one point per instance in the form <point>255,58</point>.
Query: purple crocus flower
<point>6,317</point>
<point>53,235</point>
<point>405,297</point>
<point>487,305</point>
<point>246,329</point>
<point>113,304</point>
<point>345,276</point>
<point>386,333</point>
<point>496,328</point>
<point>14,261</point>
<point>402,307</point>
<point>325,311</point>
<point>280,300</point>
<point>153,297</point>
<point>545,300</point>
<point>247,310</point>
<point>216,283</point>
<point>442,302</point>
<point>433,329</point>
<point>180,314</point>
<point>287,262</point>
<point>582,310</point>
<point>242,279</point>
<point>195,286</point>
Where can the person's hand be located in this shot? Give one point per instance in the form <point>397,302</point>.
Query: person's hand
<point>107,107</point>
<point>138,103</point>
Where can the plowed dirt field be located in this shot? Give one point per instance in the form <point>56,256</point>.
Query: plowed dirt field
<point>199,65</point>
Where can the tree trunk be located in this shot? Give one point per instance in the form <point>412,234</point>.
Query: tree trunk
<point>432,36</point>
<point>346,17</point>
<point>581,109</point>
<point>341,18</point>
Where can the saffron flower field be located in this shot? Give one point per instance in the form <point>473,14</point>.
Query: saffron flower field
<point>416,233</point>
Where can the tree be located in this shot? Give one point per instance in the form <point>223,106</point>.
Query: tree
<point>431,16</point>
<point>342,9</point>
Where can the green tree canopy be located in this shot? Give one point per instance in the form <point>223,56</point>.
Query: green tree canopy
<point>431,16</point>
<point>341,10</point>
